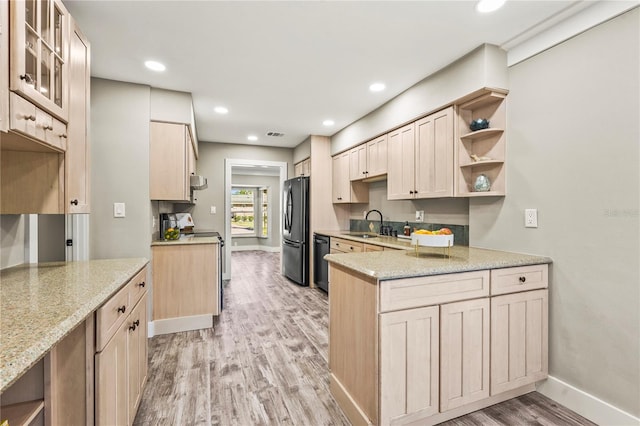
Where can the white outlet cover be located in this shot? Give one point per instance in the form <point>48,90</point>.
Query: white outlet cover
<point>419,215</point>
<point>213,209</point>
<point>531,218</point>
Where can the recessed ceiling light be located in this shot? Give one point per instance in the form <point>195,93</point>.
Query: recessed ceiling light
<point>155,66</point>
<point>221,110</point>
<point>377,87</point>
<point>486,6</point>
<point>328,123</point>
<point>252,138</point>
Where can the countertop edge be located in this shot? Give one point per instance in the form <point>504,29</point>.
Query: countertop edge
<point>353,261</point>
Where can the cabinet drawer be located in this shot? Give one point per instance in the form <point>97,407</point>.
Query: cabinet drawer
<point>137,286</point>
<point>23,116</point>
<point>432,290</point>
<point>110,315</point>
<point>345,245</point>
<point>30,120</point>
<point>511,280</point>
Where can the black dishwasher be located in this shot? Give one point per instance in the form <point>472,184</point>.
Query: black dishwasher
<point>320,266</point>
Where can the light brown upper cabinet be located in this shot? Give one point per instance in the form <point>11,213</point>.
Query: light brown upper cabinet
<point>171,161</point>
<point>377,157</point>
<point>39,54</point>
<point>343,190</point>
<point>358,162</point>
<point>302,168</point>
<point>77,155</point>
<point>369,160</point>
<point>482,152</point>
<point>421,158</point>
<point>45,159</point>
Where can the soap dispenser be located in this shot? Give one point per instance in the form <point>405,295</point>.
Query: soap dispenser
<point>407,229</point>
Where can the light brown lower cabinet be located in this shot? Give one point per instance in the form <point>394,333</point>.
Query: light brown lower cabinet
<point>464,347</point>
<point>409,359</point>
<point>519,336</point>
<point>439,342</point>
<point>121,355</point>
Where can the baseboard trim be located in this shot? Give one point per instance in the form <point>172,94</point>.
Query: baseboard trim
<point>253,248</point>
<point>176,325</point>
<point>585,404</point>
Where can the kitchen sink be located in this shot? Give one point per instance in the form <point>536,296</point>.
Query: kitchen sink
<point>360,234</point>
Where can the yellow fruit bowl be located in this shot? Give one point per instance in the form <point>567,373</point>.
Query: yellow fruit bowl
<point>172,234</point>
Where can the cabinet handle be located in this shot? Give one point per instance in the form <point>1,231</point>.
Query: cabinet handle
<point>122,309</point>
<point>75,203</point>
<point>63,135</point>
<point>410,192</point>
<point>47,127</point>
<point>133,327</point>
<point>137,323</point>
<point>30,117</point>
<point>522,279</point>
<point>28,79</point>
<point>141,284</point>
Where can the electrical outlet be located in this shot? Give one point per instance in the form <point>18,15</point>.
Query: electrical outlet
<point>530,218</point>
<point>118,210</point>
<point>419,215</point>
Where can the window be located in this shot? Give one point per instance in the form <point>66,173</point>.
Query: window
<point>249,211</point>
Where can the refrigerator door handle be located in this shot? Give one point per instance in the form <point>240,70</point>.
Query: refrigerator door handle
<point>289,214</point>
<point>288,243</point>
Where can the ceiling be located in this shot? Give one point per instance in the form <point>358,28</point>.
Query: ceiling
<point>286,66</point>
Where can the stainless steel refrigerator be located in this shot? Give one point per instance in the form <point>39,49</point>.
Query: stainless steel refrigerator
<point>295,232</point>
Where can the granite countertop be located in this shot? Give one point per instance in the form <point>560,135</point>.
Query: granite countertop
<point>376,239</point>
<point>41,303</point>
<point>385,265</point>
<point>186,239</point>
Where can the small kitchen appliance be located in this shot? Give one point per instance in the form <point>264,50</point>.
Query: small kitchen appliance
<point>167,220</point>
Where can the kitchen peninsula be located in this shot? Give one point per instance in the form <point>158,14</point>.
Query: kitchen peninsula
<point>56,317</point>
<point>187,286</point>
<point>428,337</point>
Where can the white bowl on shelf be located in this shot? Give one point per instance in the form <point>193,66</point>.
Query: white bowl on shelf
<point>427,240</point>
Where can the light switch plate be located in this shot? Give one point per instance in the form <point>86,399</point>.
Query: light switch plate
<point>213,209</point>
<point>419,215</point>
<point>118,210</point>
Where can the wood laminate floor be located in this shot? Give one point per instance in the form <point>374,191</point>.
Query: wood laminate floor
<point>265,363</point>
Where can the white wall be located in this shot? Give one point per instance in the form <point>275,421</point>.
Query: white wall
<point>120,169</point>
<point>211,165</point>
<point>573,153</point>
<point>302,150</point>
<point>485,66</point>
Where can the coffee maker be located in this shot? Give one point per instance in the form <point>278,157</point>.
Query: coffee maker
<point>167,220</point>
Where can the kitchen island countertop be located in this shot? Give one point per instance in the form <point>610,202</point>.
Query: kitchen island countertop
<point>386,265</point>
<point>43,302</point>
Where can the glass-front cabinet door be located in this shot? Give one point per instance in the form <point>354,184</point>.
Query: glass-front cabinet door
<point>39,51</point>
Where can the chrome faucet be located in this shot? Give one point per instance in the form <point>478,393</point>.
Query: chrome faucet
<point>377,211</point>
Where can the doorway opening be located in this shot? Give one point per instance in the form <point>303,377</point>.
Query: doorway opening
<point>253,206</point>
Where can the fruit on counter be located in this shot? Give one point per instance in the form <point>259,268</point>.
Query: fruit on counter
<point>441,231</point>
<point>172,234</point>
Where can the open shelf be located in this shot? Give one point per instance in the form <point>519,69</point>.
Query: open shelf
<point>22,413</point>
<point>490,143</point>
<point>481,134</point>
<point>483,163</point>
